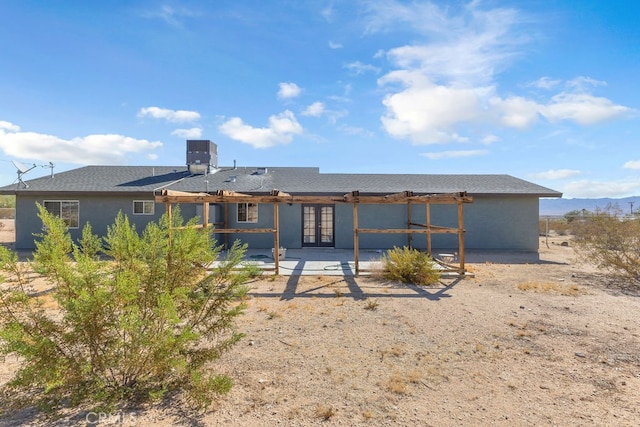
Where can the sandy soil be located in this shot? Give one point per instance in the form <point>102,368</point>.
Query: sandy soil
<point>548,343</point>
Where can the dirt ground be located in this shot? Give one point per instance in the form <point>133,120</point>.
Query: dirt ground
<point>552,342</point>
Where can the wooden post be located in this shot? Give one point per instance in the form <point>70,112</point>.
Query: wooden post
<point>276,237</point>
<point>356,243</point>
<point>409,224</point>
<point>168,208</point>
<point>205,214</point>
<point>226,225</point>
<point>428,215</point>
<point>461,234</point>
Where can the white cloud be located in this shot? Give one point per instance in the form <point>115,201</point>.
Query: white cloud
<point>359,68</point>
<point>545,83</point>
<point>555,174</point>
<point>334,45</point>
<point>356,131</point>
<point>282,128</point>
<point>8,126</point>
<point>453,154</point>
<point>314,110</point>
<point>425,17</point>
<point>467,48</point>
<point>582,108</point>
<point>170,15</point>
<point>174,116</point>
<point>327,13</point>
<point>596,189</point>
<point>632,164</point>
<point>490,139</point>
<point>448,82</point>
<point>192,133</point>
<point>288,90</point>
<point>425,112</point>
<point>582,83</point>
<point>90,149</point>
<point>515,111</point>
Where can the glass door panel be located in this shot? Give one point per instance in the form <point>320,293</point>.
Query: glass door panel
<point>318,225</point>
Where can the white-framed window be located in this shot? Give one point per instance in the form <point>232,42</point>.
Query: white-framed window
<point>68,210</point>
<point>144,207</point>
<point>247,212</point>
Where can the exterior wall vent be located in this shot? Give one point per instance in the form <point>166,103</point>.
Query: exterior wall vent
<point>202,156</point>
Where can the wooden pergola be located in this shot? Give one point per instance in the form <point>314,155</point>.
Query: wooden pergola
<point>276,197</point>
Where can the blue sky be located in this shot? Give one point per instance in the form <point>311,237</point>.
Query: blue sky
<point>544,90</point>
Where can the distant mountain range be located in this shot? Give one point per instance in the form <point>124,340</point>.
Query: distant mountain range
<point>562,206</point>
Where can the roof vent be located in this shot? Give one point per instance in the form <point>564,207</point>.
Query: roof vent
<point>202,156</point>
<point>261,171</point>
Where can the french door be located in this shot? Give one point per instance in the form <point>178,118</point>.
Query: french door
<point>317,225</point>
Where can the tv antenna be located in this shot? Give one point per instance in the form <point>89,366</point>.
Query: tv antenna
<point>51,165</point>
<point>22,169</point>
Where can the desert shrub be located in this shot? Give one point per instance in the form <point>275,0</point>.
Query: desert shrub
<point>611,241</point>
<point>558,225</point>
<point>7,201</point>
<point>409,266</point>
<point>131,326</point>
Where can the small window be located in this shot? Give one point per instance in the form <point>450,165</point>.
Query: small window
<point>247,212</point>
<point>144,207</point>
<point>68,210</point>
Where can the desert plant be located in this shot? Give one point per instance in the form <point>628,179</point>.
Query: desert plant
<point>8,202</point>
<point>611,241</point>
<point>409,266</point>
<point>325,412</point>
<point>142,321</point>
<point>558,225</point>
<point>371,304</point>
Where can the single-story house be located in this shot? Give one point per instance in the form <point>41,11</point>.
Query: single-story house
<point>503,214</point>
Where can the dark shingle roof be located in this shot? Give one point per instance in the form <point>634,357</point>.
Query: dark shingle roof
<point>294,180</point>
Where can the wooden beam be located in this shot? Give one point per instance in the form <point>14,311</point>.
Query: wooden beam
<point>432,229</point>
<point>205,215</point>
<point>428,218</point>
<point>226,225</point>
<point>276,238</point>
<point>461,235</point>
<point>244,230</point>
<point>168,208</point>
<point>275,196</point>
<point>224,196</point>
<point>356,239</point>
<point>409,224</point>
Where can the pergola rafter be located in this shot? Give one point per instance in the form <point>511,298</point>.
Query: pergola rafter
<point>276,197</point>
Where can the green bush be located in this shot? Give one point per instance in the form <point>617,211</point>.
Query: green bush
<point>611,241</point>
<point>8,202</point>
<point>145,320</point>
<point>409,266</point>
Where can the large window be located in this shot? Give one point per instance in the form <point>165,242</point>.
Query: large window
<point>144,207</point>
<point>247,212</point>
<point>68,210</point>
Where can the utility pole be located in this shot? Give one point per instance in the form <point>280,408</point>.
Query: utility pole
<point>631,209</point>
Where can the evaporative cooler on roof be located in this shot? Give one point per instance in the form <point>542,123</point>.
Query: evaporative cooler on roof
<point>202,156</point>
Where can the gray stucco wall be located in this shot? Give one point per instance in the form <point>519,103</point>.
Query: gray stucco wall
<point>502,223</point>
<point>509,223</point>
<point>99,211</point>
